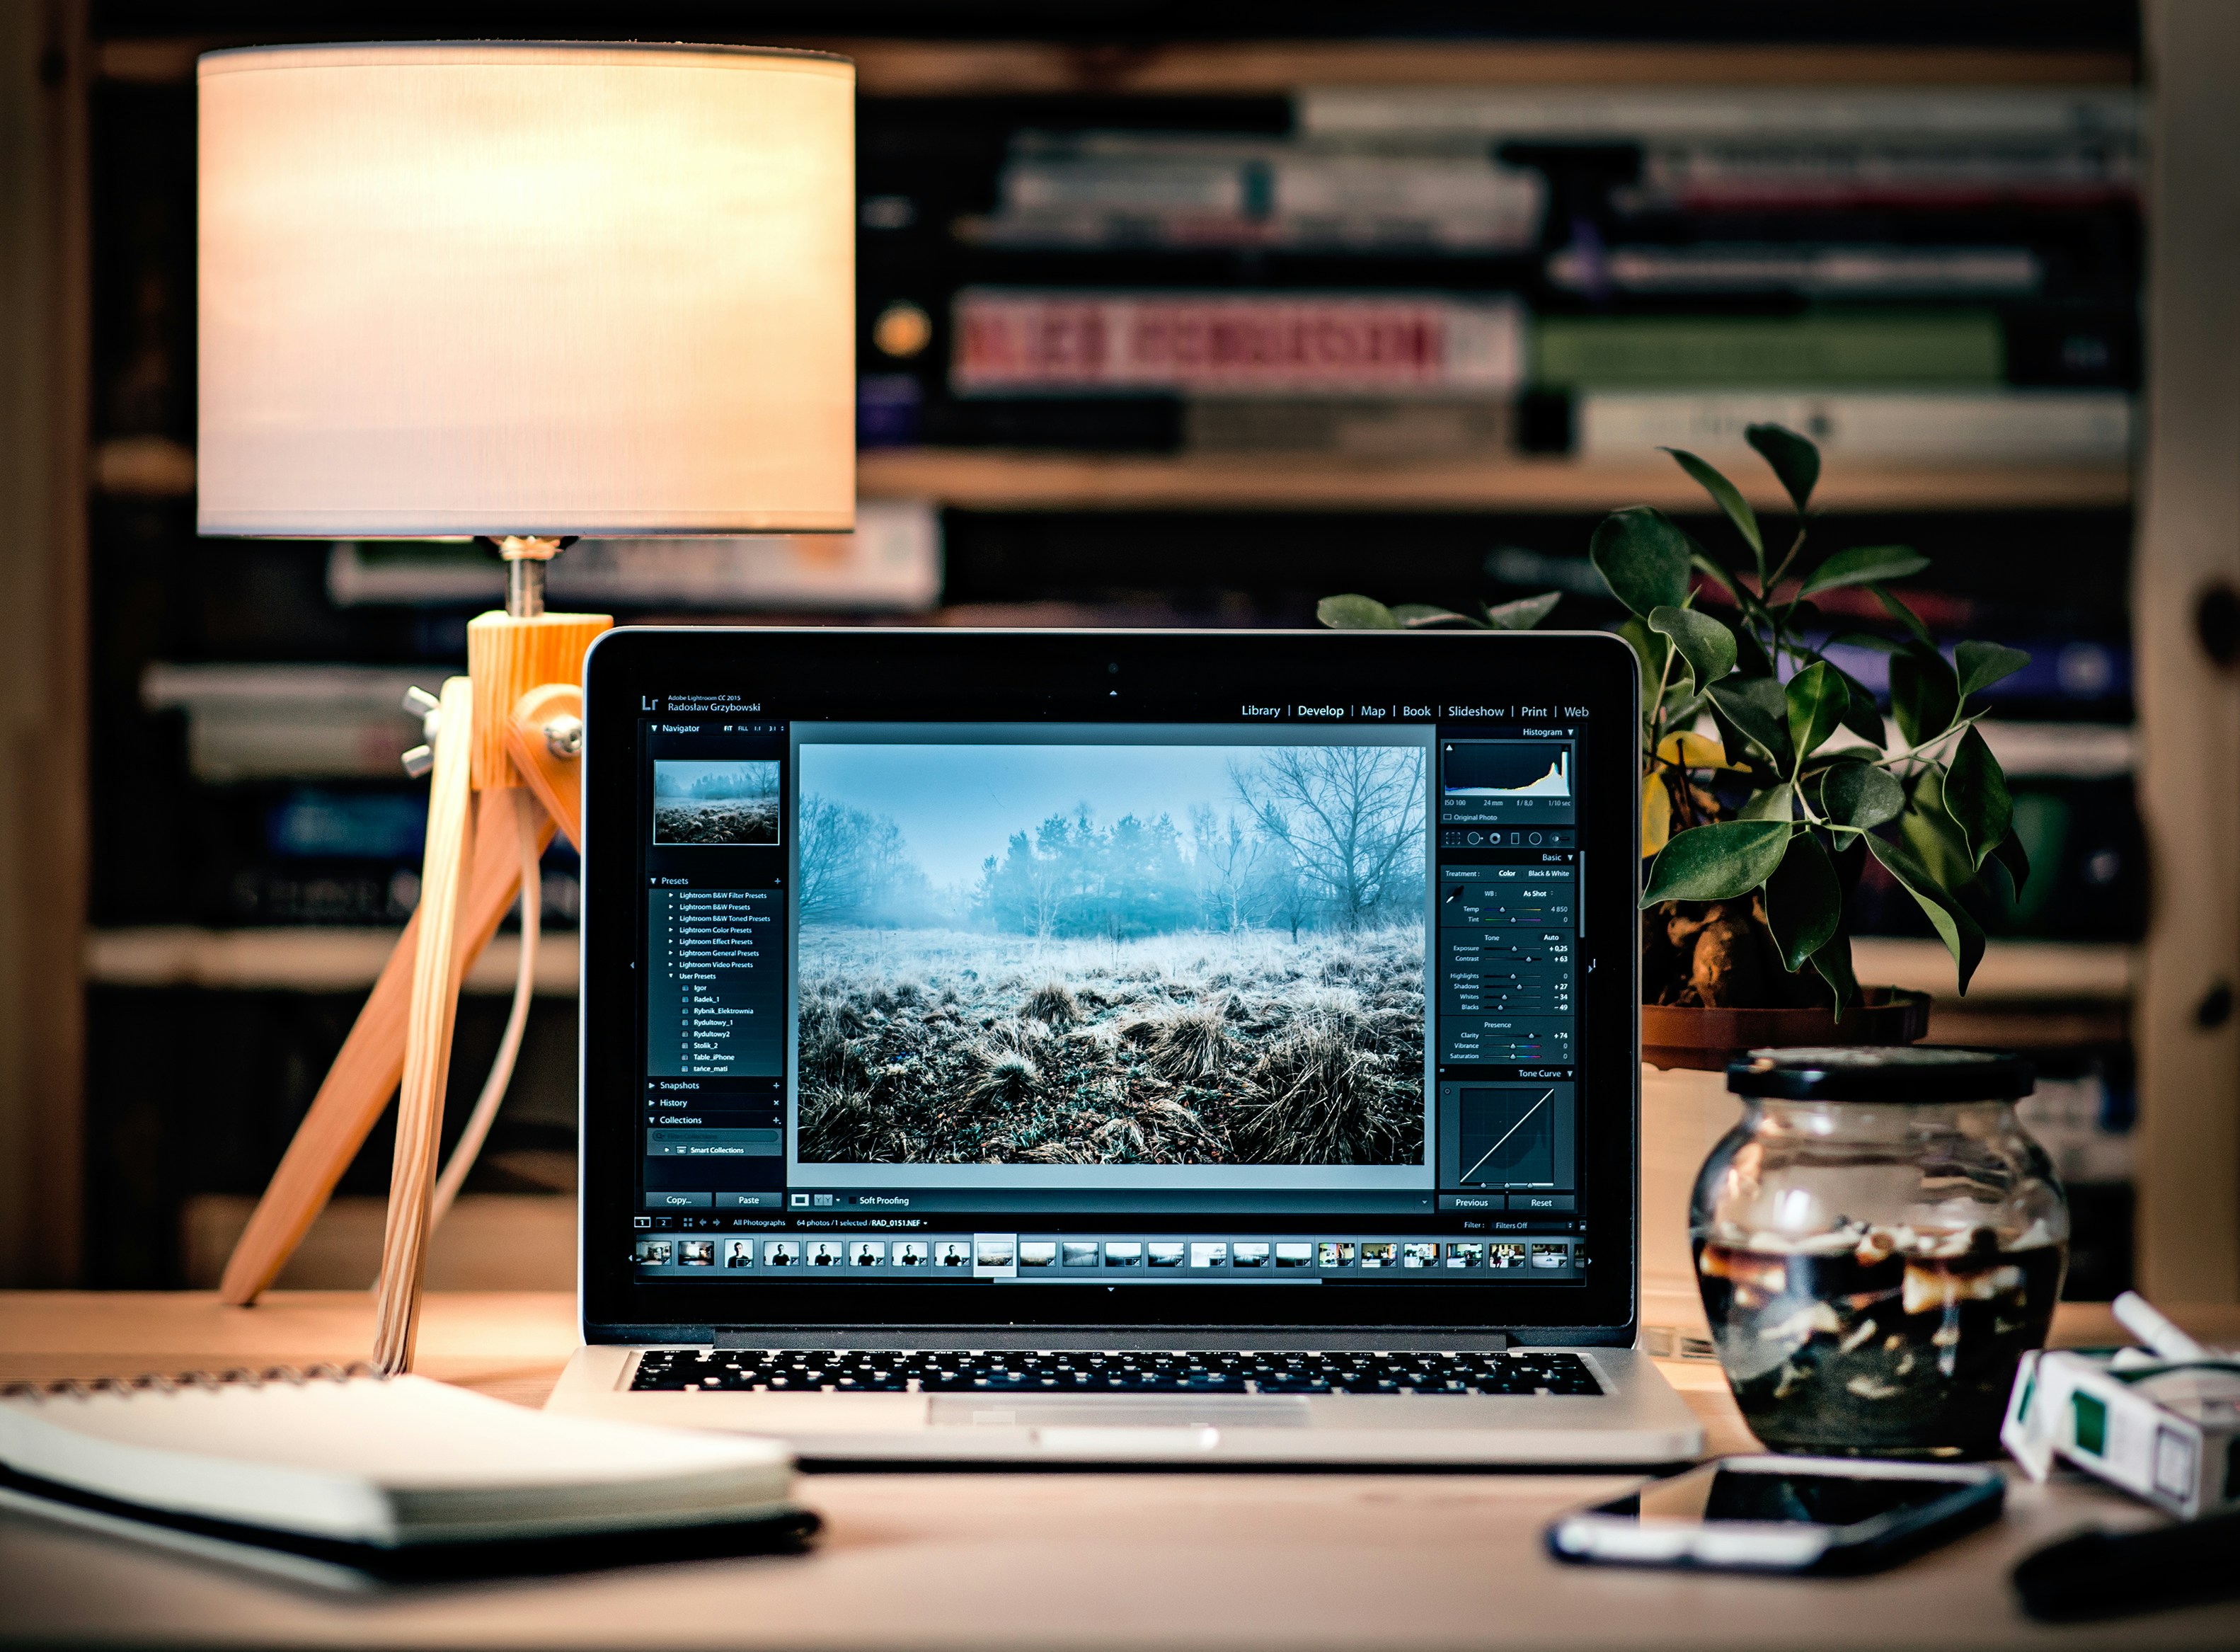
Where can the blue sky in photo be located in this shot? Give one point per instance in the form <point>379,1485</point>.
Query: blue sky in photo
<point>958,804</point>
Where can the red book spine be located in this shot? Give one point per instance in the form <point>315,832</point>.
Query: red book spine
<point>1009,341</point>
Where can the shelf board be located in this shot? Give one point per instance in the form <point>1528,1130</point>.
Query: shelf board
<point>2013,972</point>
<point>1001,68</point>
<point>307,959</point>
<point>1004,479</point>
<point>1012,479</point>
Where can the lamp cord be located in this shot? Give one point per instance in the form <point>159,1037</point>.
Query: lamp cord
<point>509,1046</point>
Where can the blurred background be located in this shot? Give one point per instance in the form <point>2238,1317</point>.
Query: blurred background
<point>1981,253</point>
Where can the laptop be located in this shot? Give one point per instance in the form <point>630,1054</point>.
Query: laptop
<point>1200,1046</point>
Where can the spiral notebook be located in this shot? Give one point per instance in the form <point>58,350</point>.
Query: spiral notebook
<point>385,1476</point>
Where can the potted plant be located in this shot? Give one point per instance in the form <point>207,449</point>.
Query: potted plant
<point>1768,779</point>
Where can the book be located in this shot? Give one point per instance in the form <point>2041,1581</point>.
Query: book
<point>1819,352</point>
<point>309,722</point>
<point>1933,426</point>
<point>387,1463</point>
<point>1779,172</point>
<point>1812,269</point>
<point>1987,112</point>
<point>1398,430</point>
<point>1057,341</point>
<point>1184,191</point>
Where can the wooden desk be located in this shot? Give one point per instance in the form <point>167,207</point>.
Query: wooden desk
<point>986,1561</point>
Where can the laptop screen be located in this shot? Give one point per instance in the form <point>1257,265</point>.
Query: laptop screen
<point>1213,990</point>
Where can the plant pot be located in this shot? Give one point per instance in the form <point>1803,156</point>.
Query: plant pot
<point>1707,1040</point>
<point>1686,1112</point>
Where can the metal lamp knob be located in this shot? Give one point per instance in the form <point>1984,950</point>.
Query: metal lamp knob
<point>421,703</point>
<point>563,736</point>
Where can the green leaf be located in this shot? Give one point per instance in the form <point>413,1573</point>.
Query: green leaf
<point>1904,616</point>
<point>1649,651</point>
<point>1729,499</point>
<point>1423,616</point>
<point>1976,796</point>
<point>1794,459</point>
<point>1861,716</point>
<point>1864,565</point>
<point>1962,935</point>
<point>1816,701</point>
<point>1925,694</point>
<point>1708,646</point>
<point>1928,832</point>
<point>1858,794</point>
<point>1775,802</point>
<point>1756,706</point>
<point>1804,906</point>
<point>1983,663</point>
<point>2010,855</point>
<point>1644,558</point>
<point>1833,965</point>
<point>1351,613</point>
<point>1717,863</point>
<point>1522,615</point>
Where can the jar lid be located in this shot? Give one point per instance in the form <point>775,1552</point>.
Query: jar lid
<point>1926,1073</point>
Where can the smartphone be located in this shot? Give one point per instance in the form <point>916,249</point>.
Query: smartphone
<point>1785,1515</point>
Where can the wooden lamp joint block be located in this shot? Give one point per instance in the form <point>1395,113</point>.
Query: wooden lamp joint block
<point>555,781</point>
<point>507,657</point>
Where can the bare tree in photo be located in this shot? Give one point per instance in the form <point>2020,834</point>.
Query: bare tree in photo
<point>1231,858</point>
<point>831,846</point>
<point>853,864</point>
<point>1351,818</point>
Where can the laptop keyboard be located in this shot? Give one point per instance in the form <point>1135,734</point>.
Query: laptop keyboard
<point>860,1371</point>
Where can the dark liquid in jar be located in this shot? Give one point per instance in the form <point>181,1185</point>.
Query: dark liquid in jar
<point>1878,1353</point>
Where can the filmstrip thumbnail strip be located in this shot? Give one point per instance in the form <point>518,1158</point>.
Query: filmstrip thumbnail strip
<point>1007,1255</point>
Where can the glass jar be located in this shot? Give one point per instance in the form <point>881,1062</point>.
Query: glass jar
<point>1878,1242</point>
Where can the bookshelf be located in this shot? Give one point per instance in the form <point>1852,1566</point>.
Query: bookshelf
<point>298,958</point>
<point>2077,996</point>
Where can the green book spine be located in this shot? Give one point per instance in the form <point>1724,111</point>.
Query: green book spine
<point>1824,352</point>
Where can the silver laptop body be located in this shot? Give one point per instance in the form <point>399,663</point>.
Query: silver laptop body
<point>1115,1047</point>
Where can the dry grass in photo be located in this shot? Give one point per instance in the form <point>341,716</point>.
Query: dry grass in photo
<point>1248,1047</point>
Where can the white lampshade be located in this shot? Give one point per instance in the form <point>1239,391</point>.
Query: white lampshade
<point>526,288</point>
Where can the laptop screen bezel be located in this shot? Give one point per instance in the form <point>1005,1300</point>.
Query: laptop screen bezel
<point>899,675</point>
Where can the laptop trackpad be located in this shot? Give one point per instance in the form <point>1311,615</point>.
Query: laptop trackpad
<point>1122,1410</point>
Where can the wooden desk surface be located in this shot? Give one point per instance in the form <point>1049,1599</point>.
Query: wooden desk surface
<point>986,1561</point>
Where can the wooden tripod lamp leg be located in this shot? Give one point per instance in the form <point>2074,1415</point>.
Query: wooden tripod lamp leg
<point>429,1015</point>
<point>526,732</point>
<point>356,1089</point>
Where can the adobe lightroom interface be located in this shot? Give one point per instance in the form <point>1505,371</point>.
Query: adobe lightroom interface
<point>1286,995</point>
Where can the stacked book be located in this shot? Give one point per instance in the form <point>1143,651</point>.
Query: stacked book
<point>1911,276</point>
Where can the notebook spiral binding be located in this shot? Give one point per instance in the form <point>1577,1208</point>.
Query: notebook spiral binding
<point>157,1381</point>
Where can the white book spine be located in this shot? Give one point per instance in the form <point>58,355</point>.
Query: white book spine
<point>1927,427</point>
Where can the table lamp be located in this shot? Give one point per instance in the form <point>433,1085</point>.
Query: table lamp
<point>524,292</point>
